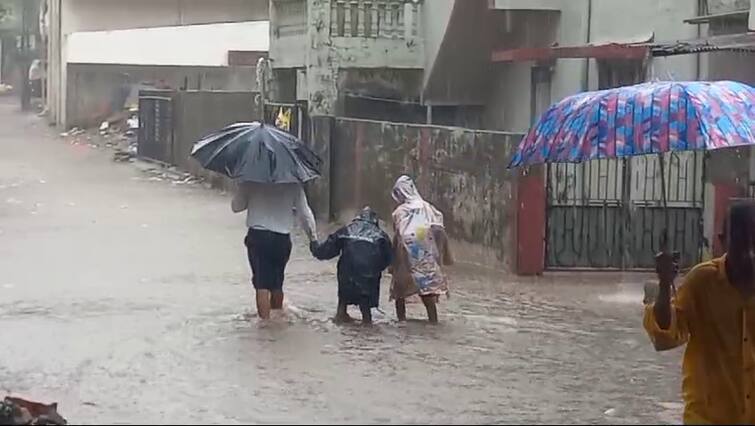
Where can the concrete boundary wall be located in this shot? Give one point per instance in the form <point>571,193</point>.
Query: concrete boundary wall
<point>463,172</point>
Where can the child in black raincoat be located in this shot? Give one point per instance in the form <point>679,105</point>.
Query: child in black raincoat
<point>365,253</point>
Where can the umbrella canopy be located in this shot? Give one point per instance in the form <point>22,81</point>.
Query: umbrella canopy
<point>643,119</point>
<point>254,152</point>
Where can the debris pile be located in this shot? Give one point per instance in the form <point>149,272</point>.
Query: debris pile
<point>120,136</point>
<point>120,133</point>
<point>165,172</point>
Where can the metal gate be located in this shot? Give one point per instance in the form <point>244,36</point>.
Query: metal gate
<point>156,125</point>
<point>608,214</point>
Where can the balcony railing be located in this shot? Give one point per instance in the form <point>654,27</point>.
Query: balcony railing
<point>375,18</point>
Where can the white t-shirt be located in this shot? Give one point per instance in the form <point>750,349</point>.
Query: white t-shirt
<point>272,207</point>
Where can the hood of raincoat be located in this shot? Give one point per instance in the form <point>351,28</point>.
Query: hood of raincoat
<point>404,190</point>
<point>365,227</point>
<point>368,215</point>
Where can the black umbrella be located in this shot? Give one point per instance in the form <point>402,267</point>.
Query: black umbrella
<point>254,152</point>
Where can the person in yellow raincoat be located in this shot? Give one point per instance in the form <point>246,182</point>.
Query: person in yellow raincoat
<point>713,313</point>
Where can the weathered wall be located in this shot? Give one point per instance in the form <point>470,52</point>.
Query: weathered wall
<point>288,33</point>
<point>195,114</point>
<point>722,6</point>
<point>319,191</point>
<point>380,94</point>
<point>618,20</point>
<point>460,72</point>
<point>737,66</point>
<point>309,36</point>
<point>580,22</point>
<point>91,88</point>
<point>321,72</point>
<point>462,172</point>
<point>198,113</point>
<point>435,19</point>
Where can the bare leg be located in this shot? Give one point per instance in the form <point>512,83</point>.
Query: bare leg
<point>263,304</point>
<point>366,313</point>
<point>342,315</point>
<point>401,309</point>
<point>431,304</point>
<point>276,300</point>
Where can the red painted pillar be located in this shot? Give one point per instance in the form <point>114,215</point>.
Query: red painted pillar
<point>531,195</point>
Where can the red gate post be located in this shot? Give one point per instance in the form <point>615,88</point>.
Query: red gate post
<point>531,221</point>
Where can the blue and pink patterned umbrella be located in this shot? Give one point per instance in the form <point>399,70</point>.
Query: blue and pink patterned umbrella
<point>648,118</point>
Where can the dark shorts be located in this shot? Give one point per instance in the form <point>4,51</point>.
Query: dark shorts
<point>36,88</point>
<point>268,254</point>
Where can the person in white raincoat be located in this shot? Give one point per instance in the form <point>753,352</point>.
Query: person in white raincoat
<point>421,249</point>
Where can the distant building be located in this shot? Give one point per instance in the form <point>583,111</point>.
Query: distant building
<point>66,17</point>
<point>105,69</point>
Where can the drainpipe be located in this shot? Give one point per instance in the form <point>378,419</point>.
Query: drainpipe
<point>180,12</point>
<point>588,36</point>
<point>699,60</point>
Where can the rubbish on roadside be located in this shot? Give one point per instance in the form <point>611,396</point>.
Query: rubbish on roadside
<point>133,122</point>
<point>75,131</point>
<point>104,127</point>
<point>18,411</point>
<point>122,156</point>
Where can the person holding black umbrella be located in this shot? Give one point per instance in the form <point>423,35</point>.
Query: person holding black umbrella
<point>270,167</point>
<point>270,211</point>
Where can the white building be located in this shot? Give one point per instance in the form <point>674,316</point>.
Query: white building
<point>101,65</point>
<point>66,17</point>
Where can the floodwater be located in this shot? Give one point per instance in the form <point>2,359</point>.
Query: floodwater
<point>127,300</point>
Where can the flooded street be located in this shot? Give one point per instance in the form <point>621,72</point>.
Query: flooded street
<point>128,301</point>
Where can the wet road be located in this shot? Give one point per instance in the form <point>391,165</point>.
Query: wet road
<point>127,301</point>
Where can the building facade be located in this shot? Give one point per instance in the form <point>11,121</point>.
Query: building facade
<point>66,17</point>
<point>497,65</point>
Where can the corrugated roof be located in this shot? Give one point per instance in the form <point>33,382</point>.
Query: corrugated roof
<point>728,43</point>
<point>735,14</point>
